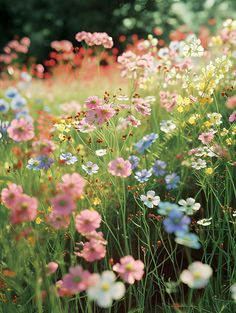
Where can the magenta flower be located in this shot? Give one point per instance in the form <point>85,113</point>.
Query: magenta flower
<point>87,221</point>
<point>20,130</point>
<point>63,204</point>
<point>129,269</point>
<point>10,195</point>
<point>76,280</point>
<point>120,167</point>
<point>206,138</point>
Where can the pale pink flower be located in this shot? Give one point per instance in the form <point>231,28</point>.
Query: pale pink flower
<point>92,250</point>
<point>231,102</point>
<point>87,221</point>
<point>20,130</point>
<point>232,117</point>
<point>72,184</point>
<point>120,167</point>
<point>63,204</point>
<point>129,269</point>
<point>24,210</point>
<point>96,235</point>
<point>206,138</point>
<point>58,221</point>
<point>93,102</point>
<point>142,107</point>
<point>10,195</point>
<point>62,290</point>
<point>76,280</point>
<point>52,267</point>
<point>99,115</point>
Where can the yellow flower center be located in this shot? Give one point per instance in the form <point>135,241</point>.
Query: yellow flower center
<point>105,286</point>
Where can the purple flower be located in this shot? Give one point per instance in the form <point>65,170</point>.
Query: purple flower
<point>159,168</point>
<point>143,175</point>
<point>176,222</point>
<point>134,160</point>
<point>171,181</point>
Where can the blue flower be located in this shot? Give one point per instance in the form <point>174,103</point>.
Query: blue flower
<point>134,160</point>
<point>188,239</point>
<point>90,168</point>
<point>159,168</point>
<point>143,176</point>
<point>4,106</point>
<point>68,158</point>
<point>166,207</point>
<point>176,222</point>
<point>18,102</point>
<point>145,142</point>
<point>11,92</point>
<point>171,181</point>
<point>41,162</point>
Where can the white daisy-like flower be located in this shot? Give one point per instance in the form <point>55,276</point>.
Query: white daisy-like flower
<point>150,200</point>
<point>167,126</point>
<point>90,168</point>
<point>193,47</point>
<point>199,164</point>
<point>197,275</point>
<point>101,152</point>
<point>189,206</point>
<point>105,289</point>
<point>205,221</point>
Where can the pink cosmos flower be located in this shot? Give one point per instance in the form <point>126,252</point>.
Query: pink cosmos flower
<point>99,115</point>
<point>93,102</point>
<point>63,204</point>
<point>72,184</point>
<point>52,267</point>
<point>76,280</point>
<point>58,221</point>
<point>24,210</point>
<point>206,138</point>
<point>62,290</point>
<point>10,195</point>
<point>92,250</point>
<point>232,117</point>
<point>142,107</point>
<point>20,130</point>
<point>129,269</point>
<point>231,102</point>
<point>87,221</point>
<point>120,167</point>
<point>95,39</point>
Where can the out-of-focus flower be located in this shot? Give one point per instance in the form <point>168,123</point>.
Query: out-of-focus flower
<point>233,291</point>
<point>199,164</point>
<point>10,195</point>
<point>134,160</point>
<point>129,269</point>
<point>105,289</point>
<point>76,280</point>
<point>145,142</point>
<point>4,106</point>
<point>63,204</point>
<point>11,93</point>
<point>164,208</point>
<point>120,167</point>
<point>206,138</point>
<point>72,184</point>
<point>231,102</point>
<point>176,222</point>
<point>41,162</point>
<point>90,168</point>
<point>192,47</point>
<point>158,168</point>
<point>197,275</point>
<point>205,221</point>
<point>93,250</point>
<point>188,240</point>
<point>20,130</point>
<point>52,267</point>
<point>167,126</point>
<point>150,200</point>
<point>172,181</point>
<point>232,117</point>
<point>101,152</point>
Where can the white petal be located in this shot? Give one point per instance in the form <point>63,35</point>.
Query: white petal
<point>117,290</point>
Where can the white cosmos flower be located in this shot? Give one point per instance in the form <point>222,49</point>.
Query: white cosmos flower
<point>192,47</point>
<point>150,200</point>
<point>205,221</point>
<point>167,126</point>
<point>233,291</point>
<point>199,164</point>
<point>101,152</point>
<point>197,275</point>
<point>105,289</point>
<point>189,205</point>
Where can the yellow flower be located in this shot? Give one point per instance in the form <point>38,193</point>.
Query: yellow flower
<point>96,201</point>
<point>49,209</point>
<point>207,124</point>
<point>229,141</point>
<point>38,220</point>
<point>209,170</point>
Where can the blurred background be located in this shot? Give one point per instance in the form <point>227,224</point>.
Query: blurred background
<point>46,20</point>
